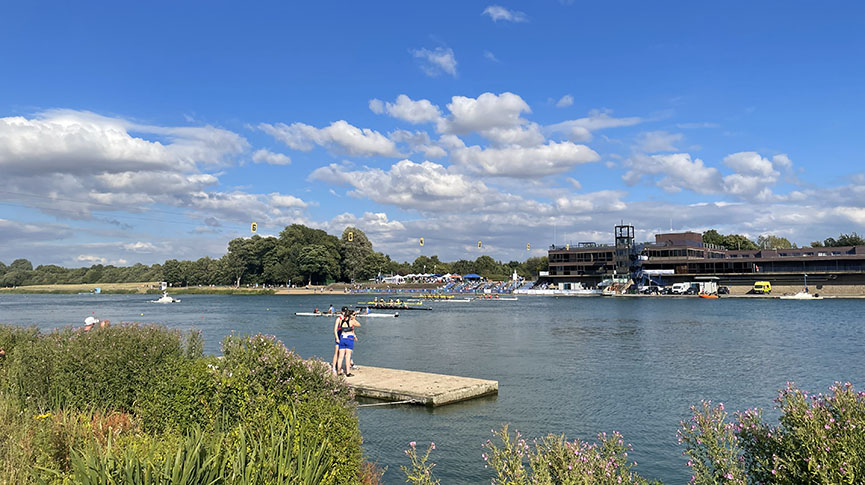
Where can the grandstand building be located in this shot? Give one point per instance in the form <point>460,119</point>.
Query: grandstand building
<point>682,256</point>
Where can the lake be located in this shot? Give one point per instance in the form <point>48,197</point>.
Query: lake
<point>576,366</point>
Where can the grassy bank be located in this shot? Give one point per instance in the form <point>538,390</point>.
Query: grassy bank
<point>133,288</point>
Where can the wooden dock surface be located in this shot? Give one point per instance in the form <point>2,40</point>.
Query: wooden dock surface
<point>421,387</point>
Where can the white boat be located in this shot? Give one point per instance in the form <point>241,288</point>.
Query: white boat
<point>500,298</point>
<point>166,298</point>
<point>802,295</point>
<point>333,315</point>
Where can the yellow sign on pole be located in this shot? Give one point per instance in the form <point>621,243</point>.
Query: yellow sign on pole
<point>253,227</point>
<point>528,246</point>
<point>421,241</point>
<point>480,244</point>
<point>568,247</point>
<point>350,236</point>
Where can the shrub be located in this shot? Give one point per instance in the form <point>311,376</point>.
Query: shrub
<point>819,439</point>
<point>185,397</point>
<point>555,460</point>
<point>111,366</point>
<point>712,446</point>
<point>420,472</point>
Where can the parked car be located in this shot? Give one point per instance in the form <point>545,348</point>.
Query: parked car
<point>723,290</point>
<point>691,291</point>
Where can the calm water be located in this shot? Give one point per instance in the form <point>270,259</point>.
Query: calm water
<point>576,366</point>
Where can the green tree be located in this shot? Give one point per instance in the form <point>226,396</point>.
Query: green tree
<point>463,267</point>
<point>233,267</point>
<point>845,240</point>
<point>770,241</point>
<point>427,264</point>
<point>172,272</point>
<point>318,263</point>
<point>14,278</point>
<point>487,267</point>
<point>713,237</point>
<point>354,254</point>
<point>535,265</point>
<point>21,264</point>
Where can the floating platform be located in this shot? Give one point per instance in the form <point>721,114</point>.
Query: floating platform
<point>420,387</point>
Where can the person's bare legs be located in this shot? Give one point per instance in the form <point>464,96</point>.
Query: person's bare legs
<point>335,359</point>
<point>340,360</point>
<point>348,361</point>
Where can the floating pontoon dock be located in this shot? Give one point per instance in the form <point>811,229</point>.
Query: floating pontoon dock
<point>417,387</point>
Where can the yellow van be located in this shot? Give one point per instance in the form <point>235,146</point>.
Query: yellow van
<point>762,287</point>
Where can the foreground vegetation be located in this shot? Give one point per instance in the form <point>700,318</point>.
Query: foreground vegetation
<point>819,439</point>
<point>142,404</point>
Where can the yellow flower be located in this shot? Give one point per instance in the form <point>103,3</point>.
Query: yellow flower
<point>43,416</point>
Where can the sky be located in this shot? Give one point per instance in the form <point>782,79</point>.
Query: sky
<point>135,132</point>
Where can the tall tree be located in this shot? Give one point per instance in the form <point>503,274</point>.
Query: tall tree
<point>318,263</point>
<point>849,240</point>
<point>355,250</point>
<point>21,264</point>
<point>770,241</point>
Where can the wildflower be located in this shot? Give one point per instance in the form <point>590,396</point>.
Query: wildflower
<point>412,443</point>
<point>432,445</point>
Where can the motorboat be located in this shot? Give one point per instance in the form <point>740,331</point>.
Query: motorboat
<point>707,295</point>
<point>802,295</point>
<point>166,298</point>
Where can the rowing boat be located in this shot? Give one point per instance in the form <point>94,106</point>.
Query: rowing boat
<point>370,315</point>
<point>501,298</point>
<point>394,307</point>
<point>401,302</point>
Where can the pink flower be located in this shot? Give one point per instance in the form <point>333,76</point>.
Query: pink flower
<point>413,444</point>
<point>432,445</point>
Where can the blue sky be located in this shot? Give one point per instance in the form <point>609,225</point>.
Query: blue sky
<point>141,132</point>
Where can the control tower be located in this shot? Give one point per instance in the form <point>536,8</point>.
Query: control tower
<point>624,249</point>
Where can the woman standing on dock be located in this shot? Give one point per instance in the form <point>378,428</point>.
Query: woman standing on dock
<point>343,331</point>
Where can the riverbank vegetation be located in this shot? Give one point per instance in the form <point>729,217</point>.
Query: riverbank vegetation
<point>299,256</point>
<point>142,404</point>
<point>819,439</point>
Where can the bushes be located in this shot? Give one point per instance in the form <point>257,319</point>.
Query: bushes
<point>110,367</point>
<point>141,401</point>
<point>819,439</point>
<point>555,460</point>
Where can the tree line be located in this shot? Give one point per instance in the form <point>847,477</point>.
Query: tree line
<point>300,255</point>
<point>738,241</point>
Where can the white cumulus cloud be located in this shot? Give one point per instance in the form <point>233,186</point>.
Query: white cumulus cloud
<point>524,162</point>
<point>437,61</point>
<point>581,129</point>
<point>658,141</point>
<point>565,101</point>
<point>497,12</point>
<point>269,157</point>
<point>407,109</point>
<point>340,136</point>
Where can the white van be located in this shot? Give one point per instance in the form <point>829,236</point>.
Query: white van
<point>680,288</point>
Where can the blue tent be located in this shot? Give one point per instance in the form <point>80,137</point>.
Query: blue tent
<point>472,276</point>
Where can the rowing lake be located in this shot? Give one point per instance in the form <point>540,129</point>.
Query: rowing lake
<point>576,366</point>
